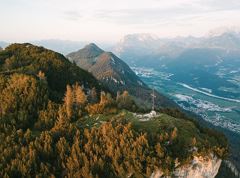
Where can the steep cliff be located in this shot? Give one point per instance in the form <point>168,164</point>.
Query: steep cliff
<point>200,167</point>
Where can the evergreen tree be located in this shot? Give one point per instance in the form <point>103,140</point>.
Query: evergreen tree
<point>68,100</point>
<point>80,97</point>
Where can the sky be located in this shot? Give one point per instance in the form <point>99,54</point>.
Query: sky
<point>110,20</point>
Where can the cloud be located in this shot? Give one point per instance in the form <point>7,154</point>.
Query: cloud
<point>72,15</point>
<point>96,18</point>
<point>172,13</point>
<point>135,16</point>
<point>220,4</point>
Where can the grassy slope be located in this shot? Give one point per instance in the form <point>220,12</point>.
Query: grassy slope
<point>186,131</point>
<point>163,122</point>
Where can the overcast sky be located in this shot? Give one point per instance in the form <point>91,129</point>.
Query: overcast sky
<point>109,20</point>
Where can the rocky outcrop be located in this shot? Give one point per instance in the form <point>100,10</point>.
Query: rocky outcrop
<point>199,168</point>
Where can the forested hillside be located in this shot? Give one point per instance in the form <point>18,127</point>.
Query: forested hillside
<point>55,122</point>
<point>30,59</point>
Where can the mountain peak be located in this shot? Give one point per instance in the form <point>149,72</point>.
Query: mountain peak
<point>223,31</point>
<point>89,51</point>
<point>93,47</point>
<point>139,37</point>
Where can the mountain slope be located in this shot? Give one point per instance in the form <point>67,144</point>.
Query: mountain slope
<point>82,138</point>
<point>30,59</point>
<point>115,74</point>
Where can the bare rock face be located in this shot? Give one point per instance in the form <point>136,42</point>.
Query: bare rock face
<point>199,168</point>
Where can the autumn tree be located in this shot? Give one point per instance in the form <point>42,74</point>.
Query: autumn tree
<point>174,133</point>
<point>63,121</point>
<point>106,104</point>
<point>80,97</point>
<point>194,141</point>
<point>21,98</point>
<point>74,100</point>
<point>68,100</point>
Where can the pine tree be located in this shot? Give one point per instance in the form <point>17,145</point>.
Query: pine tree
<point>68,100</point>
<point>80,97</point>
<point>174,133</point>
<point>63,121</point>
<point>103,98</point>
<point>194,141</point>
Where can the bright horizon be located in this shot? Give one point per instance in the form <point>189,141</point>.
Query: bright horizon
<point>109,21</point>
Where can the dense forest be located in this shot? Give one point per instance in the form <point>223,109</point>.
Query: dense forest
<point>56,120</point>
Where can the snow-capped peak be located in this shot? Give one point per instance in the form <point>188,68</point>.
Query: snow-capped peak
<point>139,37</point>
<point>223,30</point>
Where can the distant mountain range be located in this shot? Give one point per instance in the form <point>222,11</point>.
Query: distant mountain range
<point>151,44</point>
<point>210,62</point>
<point>115,74</point>
<point>136,46</point>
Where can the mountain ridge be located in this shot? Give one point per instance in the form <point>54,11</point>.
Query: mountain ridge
<point>59,71</point>
<point>227,40</point>
<point>115,73</point>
